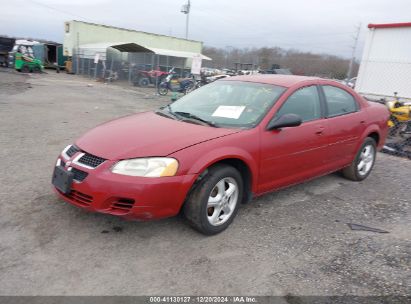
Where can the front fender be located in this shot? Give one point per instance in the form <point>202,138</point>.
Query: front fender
<point>214,156</point>
<point>243,146</point>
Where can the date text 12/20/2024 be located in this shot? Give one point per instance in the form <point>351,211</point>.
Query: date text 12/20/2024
<point>199,299</point>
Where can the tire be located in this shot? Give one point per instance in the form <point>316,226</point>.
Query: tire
<point>25,69</point>
<point>189,88</point>
<point>366,155</point>
<point>162,90</point>
<point>211,206</point>
<point>36,69</point>
<point>143,82</point>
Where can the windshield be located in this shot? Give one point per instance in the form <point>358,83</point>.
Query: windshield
<point>228,103</point>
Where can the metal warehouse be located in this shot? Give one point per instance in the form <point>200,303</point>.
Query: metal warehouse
<point>386,63</point>
<point>122,50</point>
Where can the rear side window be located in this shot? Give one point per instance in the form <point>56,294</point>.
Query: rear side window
<point>304,102</point>
<point>339,101</point>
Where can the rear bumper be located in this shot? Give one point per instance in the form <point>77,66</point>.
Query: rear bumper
<point>127,196</point>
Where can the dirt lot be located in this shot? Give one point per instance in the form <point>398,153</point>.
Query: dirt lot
<point>293,242</point>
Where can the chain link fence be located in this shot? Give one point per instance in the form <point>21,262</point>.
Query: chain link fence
<point>112,65</point>
<point>398,142</point>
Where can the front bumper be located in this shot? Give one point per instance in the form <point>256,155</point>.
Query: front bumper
<point>127,196</point>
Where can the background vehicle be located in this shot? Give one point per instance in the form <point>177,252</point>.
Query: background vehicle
<point>145,78</point>
<point>23,59</point>
<point>350,82</point>
<point>400,115</point>
<point>6,45</point>
<point>175,84</point>
<point>26,64</point>
<point>208,79</point>
<point>400,118</point>
<point>50,54</point>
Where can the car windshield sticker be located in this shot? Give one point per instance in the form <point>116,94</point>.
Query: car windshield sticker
<point>229,111</point>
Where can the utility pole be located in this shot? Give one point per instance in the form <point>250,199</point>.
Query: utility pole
<point>185,9</point>
<point>354,48</point>
<point>228,50</point>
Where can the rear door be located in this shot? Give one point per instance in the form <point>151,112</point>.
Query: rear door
<point>346,123</point>
<point>293,154</point>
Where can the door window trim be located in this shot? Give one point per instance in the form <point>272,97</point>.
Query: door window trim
<point>325,104</point>
<point>322,104</point>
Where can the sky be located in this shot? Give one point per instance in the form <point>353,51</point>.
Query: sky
<point>318,26</point>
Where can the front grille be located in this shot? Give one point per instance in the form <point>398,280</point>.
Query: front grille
<point>78,174</point>
<point>123,204</point>
<point>72,150</point>
<point>91,160</point>
<point>80,198</point>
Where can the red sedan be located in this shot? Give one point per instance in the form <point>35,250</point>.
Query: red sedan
<point>219,146</point>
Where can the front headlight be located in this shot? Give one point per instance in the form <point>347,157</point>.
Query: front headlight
<point>147,167</point>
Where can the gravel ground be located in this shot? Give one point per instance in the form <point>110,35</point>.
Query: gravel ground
<point>292,242</point>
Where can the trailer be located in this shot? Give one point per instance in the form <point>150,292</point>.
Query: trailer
<point>50,54</point>
<point>385,66</point>
<point>6,45</point>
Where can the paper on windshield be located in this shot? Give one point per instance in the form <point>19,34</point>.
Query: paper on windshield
<point>229,111</point>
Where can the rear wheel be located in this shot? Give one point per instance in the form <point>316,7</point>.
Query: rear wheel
<point>213,203</point>
<point>363,163</point>
<point>190,87</point>
<point>36,69</point>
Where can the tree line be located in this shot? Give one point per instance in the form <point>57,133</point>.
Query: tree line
<point>298,62</point>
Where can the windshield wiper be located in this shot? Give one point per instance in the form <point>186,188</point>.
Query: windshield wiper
<point>169,113</point>
<point>195,117</point>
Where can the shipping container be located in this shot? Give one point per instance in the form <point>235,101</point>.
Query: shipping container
<point>386,61</point>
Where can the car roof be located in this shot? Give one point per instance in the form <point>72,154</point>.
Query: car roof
<point>280,80</point>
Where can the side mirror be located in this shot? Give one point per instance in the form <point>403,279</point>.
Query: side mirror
<point>284,121</point>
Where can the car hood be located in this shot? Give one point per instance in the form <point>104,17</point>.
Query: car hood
<point>145,134</point>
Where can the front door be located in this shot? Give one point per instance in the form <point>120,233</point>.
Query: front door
<point>291,155</point>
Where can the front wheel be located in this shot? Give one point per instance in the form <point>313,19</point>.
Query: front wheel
<point>144,82</point>
<point>25,69</point>
<point>162,90</point>
<point>214,201</point>
<point>363,163</point>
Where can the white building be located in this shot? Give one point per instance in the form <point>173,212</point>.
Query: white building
<point>386,62</point>
<point>86,39</point>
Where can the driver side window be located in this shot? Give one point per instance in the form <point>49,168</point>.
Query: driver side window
<point>305,102</point>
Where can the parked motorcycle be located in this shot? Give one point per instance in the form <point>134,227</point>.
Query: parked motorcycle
<point>400,115</point>
<point>174,84</point>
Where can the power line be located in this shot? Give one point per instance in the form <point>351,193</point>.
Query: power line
<point>62,11</point>
<point>227,20</point>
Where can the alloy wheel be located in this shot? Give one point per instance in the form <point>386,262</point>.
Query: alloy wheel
<point>366,160</point>
<point>222,201</point>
